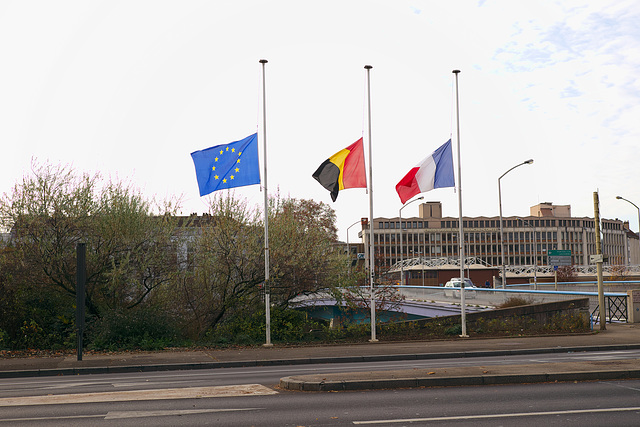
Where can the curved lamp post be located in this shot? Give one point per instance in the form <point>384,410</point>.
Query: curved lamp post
<point>504,276</point>
<point>622,198</point>
<point>400,215</point>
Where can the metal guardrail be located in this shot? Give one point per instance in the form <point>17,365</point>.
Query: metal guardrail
<point>616,310</point>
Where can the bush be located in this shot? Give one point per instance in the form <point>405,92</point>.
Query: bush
<point>144,329</point>
<point>287,325</point>
<point>4,340</point>
<point>515,302</point>
<point>33,318</point>
<point>454,330</point>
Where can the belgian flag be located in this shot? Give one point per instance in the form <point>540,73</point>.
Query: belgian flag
<point>345,169</point>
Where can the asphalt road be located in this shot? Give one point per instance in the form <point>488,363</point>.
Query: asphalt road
<point>610,403</point>
<point>270,375</point>
<point>250,396</point>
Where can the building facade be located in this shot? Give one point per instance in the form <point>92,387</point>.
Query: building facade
<point>527,240</point>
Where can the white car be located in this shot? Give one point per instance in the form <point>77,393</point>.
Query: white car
<point>452,288</point>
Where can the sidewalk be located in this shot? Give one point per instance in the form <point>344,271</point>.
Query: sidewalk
<point>616,337</point>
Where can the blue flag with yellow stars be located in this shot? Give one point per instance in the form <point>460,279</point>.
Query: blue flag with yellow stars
<point>227,165</point>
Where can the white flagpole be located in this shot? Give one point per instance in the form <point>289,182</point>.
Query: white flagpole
<point>371,247</point>
<point>463,319</point>
<point>267,290</point>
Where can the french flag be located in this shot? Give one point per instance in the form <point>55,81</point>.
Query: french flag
<point>436,171</point>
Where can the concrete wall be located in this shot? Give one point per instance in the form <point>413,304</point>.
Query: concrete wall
<point>540,313</point>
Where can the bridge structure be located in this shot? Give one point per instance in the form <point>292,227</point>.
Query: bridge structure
<point>512,271</point>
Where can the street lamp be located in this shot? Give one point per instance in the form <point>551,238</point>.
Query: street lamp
<point>400,215</point>
<point>348,249</point>
<point>504,276</point>
<point>622,198</point>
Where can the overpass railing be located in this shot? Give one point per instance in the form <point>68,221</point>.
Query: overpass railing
<point>615,302</point>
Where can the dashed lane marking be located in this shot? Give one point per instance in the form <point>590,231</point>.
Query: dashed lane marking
<point>114,415</point>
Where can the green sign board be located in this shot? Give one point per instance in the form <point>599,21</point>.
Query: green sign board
<point>561,252</point>
<point>559,257</point>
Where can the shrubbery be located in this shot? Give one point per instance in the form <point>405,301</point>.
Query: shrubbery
<point>287,326</point>
<point>143,329</point>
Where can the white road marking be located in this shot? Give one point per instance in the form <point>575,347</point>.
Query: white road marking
<point>488,416</point>
<point>142,414</point>
<point>114,415</point>
<point>54,386</point>
<point>622,386</point>
<point>70,417</point>
<point>141,383</point>
<point>125,396</point>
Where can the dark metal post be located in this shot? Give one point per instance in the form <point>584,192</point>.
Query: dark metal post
<point>81,278</point>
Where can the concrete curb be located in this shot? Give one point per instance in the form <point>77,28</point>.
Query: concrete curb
<point>299,384</point>
<point>88,370</point>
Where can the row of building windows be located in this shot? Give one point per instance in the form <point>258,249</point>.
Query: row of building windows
<point>411,224</point>
<point>473,250</point>
<point>520,248</point>
<point>510,236</point>
<point>522,236</point>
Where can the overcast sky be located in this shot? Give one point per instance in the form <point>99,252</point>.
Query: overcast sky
<point>131,88</point>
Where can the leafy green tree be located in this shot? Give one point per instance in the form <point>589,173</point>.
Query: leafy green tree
<point>224,266</point>
<point>129,250</point>
<point>305,256</point>
<point>225,277</point>
<point>198,272</point>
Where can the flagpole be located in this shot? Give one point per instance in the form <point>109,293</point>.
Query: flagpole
<point>371,247</point>
<point>463,319</point>
<point>267,290</point>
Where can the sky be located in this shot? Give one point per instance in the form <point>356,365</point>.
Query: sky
<point>130,88</point>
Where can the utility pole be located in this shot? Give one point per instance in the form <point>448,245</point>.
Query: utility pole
<point>602,309</point>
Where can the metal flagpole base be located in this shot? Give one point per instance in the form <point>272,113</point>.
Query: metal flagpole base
<point>267,345</point>
<point>463,336</point>
<point>374,340</point>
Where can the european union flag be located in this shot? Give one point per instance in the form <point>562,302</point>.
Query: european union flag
<point>228,165</point>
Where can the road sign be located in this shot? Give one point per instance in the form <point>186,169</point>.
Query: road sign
<point>559,257</point>
<point>596,258</point>
<point>559,252</point>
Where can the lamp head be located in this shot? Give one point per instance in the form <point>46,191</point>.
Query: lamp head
<point>618,197</point>
<point>528,162</point>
